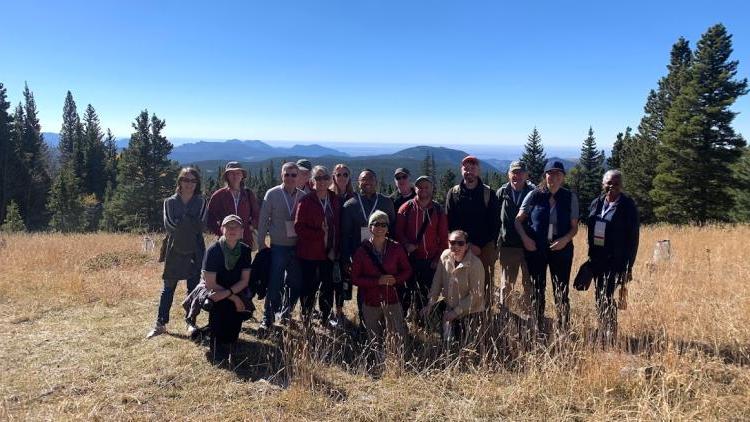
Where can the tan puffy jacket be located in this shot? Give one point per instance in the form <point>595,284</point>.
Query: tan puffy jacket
<point>462,286</point>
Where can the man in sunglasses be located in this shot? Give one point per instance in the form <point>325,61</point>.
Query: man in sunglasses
<point>277,220</point>
<point>404,190</point>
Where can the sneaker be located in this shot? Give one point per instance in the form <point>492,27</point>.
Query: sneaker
<point>263,329</point>
<point>191,329</point>
<point>158,330</point>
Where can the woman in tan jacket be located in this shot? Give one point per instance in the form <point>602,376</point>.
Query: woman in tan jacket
<point>459,281</point>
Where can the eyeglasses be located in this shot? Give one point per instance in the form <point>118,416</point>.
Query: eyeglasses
<point>402,177</point>
<point>322,178</point>
<point>457,242</point>
<point>342,174</point>
<point>188,180</point>
<point>611,183</point>
<point>380,225</point>
<point>292,175</point>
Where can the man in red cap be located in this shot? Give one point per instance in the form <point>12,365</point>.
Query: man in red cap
<point>473,207</point>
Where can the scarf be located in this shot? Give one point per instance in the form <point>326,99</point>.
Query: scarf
<point>231,256</point>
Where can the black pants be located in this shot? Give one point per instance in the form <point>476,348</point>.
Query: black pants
<point>224,321</point>
<point>316,275</point>
<point>465,330</point>
<point>606,308</point>
<point>559,263</point>
<point>418,287</point>
<point>342,290</point>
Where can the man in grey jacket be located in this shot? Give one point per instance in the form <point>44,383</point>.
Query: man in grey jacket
<point>509,242</point>
<point>277,220</point>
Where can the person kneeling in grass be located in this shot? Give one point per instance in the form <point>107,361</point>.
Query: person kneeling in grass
<point>459,280</point>
<point>226,273</point>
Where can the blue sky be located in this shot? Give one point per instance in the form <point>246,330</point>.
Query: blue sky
<point>372,71</point>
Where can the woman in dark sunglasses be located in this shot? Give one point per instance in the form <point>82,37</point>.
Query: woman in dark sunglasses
<point>341,185</point>
<point>459,280</point>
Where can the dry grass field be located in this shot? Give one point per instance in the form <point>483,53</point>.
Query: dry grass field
<point>74,311</point>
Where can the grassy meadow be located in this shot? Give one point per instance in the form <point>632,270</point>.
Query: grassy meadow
<point>74,311</point>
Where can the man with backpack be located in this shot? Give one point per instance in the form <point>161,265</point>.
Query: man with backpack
<point>422,229</point>
<point>509,244</point>
<point>472,206</point>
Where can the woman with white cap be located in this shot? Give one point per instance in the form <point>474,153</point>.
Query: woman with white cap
<point>226,273</point>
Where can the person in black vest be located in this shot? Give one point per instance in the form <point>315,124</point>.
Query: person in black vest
<point>613,231</point>
<point>509,244</point>
<point>547,223</point>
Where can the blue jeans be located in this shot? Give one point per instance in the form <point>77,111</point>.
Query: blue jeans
<point>283,262</point>
<point>167,295</point>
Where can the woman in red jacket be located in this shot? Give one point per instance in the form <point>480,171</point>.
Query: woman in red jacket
<point>316,223</point>
<point>379,266</point>
<point>235,199</point>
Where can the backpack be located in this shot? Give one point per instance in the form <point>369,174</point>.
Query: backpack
<point>456,190</point>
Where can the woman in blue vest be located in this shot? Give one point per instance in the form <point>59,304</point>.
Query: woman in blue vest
<point>547,222</point>
<point>613,230</point>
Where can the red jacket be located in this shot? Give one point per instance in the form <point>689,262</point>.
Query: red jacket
<point>408,222</point>
<point>222,204</point>
<point>365,273</point>
<point>308,224</point>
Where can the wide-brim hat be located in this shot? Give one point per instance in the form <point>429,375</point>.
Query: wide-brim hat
<point>235,166</point>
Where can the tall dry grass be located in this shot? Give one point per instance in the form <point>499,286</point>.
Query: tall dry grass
<point>74,311</point>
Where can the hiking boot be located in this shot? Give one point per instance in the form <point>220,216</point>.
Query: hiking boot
<point>263,329</point>
<point>157,330</point>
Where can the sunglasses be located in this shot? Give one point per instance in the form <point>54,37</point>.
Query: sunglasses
<point>188,180</point>
<point>402,177</point>
<point>381,225</point>
<point>292,175</point>
<point>457,242</point>
<point>322,178</point>
<point>342,174</point>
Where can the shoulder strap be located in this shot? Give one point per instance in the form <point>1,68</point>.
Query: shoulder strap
<point>374,259</point>
<point>423,228</point>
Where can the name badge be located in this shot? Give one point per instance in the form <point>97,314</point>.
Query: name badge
<point>290,229</point>
<point>599,229</point>
<point>550,232</point>
<point>364,233</point>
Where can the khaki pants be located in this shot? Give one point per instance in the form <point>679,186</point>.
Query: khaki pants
<point>488,256</point>
<point>511,261</point>
<point>379,319</point>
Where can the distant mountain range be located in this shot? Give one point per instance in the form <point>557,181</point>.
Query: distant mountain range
<point>256,155</point>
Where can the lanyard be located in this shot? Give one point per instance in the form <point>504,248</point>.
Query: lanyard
<point>236,201</point>
<point>294,201</point>
<point>374,206</point>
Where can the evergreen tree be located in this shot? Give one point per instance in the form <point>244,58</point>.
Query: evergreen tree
<point>145,176</point>
<point>69,131</point>
<point>94,155</point>
<point>533,156</point>
<point>447,181</point>
<point>698,147</point>
<point>639,157</point>
<point>13,221</point>
<point>9,159</point>
<point>426,168</point>
<point>33,178</point>
<point>110,159</point>
<point>587,180</point>
<point>741,212</point>
<point>615,160</point>
<point>65,201</point>
<point>433,169</point>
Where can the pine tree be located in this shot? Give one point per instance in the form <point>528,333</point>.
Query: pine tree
<point>145,176</point>
<point>9,159</point>
<point>587,180</point>
<point>533,156</point>
<point>699,145</point>
<point>69,131</point>
<point>615,160</point>
<point>65,200</point>
<point>110,159</point>
<point>433,169</point>
<point>639,157</point>
<point>426,168</point>
<point>13,221</point>
<point>94,155</point>
<point>33,179</point>
<point>447,181</point>
<point>741,191</point>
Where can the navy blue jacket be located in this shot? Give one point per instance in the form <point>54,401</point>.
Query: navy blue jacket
<point>620,236</point>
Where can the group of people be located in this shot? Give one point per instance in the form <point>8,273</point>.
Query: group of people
<point>411,258</point>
